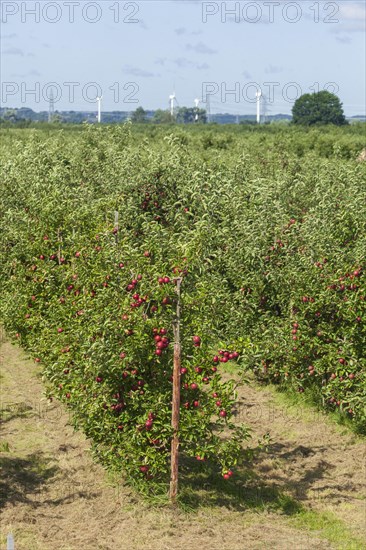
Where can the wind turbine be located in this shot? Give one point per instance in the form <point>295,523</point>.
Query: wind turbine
<point>99,102</point>
<point>172,99</point>
<point>196,102</point>
<point>258,96</point>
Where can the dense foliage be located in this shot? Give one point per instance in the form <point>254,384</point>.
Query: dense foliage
<point>318,108</point>
<point>267,230</point>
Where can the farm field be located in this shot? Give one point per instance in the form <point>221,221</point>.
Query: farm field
<point>308,491</point>
<point>265,230</point>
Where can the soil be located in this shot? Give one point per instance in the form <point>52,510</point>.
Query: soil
<point>54,497</point>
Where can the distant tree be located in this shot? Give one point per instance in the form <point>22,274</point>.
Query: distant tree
<point>318,108</point>
<point>187,115</point>
<point>10,116</point>
<point>162,117</point>
<point>139,116</point>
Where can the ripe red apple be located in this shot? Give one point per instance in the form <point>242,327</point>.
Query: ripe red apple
<point>183,370</point>
<point>148,424</point>
<point>223,413</point>
<point>196,341</point>
<point>146,254</point>
<point>158,351</point>
<point>59,330</point>
<point>144,469</point>
<point>196,403</point>
<point>194,386</point>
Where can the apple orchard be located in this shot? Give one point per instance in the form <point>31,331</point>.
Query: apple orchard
<point>101,227</point>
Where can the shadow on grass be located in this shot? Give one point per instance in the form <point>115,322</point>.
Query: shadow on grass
<point>12,411</point>
<point>21,478</point>
<point>202,486</point>
<point>32,480</point>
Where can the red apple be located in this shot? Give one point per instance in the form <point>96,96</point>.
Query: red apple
<point>196,341</point>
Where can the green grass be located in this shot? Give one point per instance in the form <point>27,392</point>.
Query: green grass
<point>308,403</point>
<point>328,527</point>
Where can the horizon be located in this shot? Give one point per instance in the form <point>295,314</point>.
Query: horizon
<point>194,48</point>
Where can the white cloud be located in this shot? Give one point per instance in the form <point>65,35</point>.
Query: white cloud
<point>13,51</point>
<point>273,69</point>
<point>355,11</point>
<point>184,63</point>
<point>135,71</point>
<point>344,39</point>
<point>200,48</point>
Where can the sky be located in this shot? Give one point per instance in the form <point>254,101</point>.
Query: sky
<point>138,53</point>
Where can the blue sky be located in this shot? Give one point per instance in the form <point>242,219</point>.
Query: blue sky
<point>137,53</point>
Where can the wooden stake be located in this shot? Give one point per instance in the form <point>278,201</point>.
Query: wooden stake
<point>116,225</point>
<point>175,402</point>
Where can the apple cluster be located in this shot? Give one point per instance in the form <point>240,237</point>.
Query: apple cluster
<point>161,341</point>
<point>224,356</point>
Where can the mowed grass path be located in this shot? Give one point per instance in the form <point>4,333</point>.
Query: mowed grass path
<point>307,492</point>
